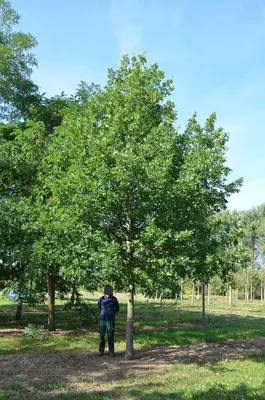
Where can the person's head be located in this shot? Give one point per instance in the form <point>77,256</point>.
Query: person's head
<point>108,290</point>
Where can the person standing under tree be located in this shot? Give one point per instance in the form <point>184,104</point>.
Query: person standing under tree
<point>108,306</point>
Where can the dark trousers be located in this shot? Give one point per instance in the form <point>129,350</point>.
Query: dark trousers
<point>110,327</point>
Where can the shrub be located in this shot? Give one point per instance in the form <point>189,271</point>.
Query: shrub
<point>33,330</point>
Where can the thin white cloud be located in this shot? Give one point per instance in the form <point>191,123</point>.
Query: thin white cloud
<point>129,39</point>
<point>124,22</point>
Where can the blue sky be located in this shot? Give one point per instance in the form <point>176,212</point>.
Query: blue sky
<point>213,49</point>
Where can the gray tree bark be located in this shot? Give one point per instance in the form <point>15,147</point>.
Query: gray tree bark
<point>230,297</point>
<point>129,324</point>
<point>247,288</point>
<point>209,295</point>
<point>51,301</point>
<point>198,292</point>
<point>203,302</point>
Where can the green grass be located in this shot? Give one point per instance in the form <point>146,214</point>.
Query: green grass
<point>37,315</point>
<point>226,380</point>
<point>143,338</point>
<point>154,325</point>
<point>49,343</point>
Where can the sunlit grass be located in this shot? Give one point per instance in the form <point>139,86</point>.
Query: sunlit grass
<point>224,380</point>
<point>171,324</point>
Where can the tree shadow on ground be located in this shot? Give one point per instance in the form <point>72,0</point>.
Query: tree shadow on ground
<point>147,392</point>
<point>155,317</point>
<point>203,332</point>
<point>74,367</point>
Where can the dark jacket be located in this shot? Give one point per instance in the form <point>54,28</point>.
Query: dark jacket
<point>108,306</point>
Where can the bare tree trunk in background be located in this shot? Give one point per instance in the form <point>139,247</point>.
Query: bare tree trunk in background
<point>131,291</point>
<point>161,301</point>
<point>198,292</point>
<point>230,297</point>
<point>261,292</point>
<point>74,294</point>
<point>236,294</point>
<point>156,296</point>
<point>203,302</point>
<point>181,291</point>
<point>246,288</point>
<point>51,301</point>
<point>209,294</point>
<point>251,291</point>
<point>19,311</point>
<point>193,293</point>
<point>30,299</point>
<point>129,324</point>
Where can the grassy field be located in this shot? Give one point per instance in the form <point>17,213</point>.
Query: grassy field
<point>170,325</point>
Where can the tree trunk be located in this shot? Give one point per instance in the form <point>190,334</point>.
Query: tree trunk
<point>209,295</point>
<point>161,301</point>
<point>176,298</point>
<point>51,301</point>
<point>247,288</point>
<point>156,295</point>
<point>181,291</point>
<point>72,299</point>
<point>251,291</point>
<point>236,294</point>
<point>129,324</point>
<point>30,299</point>
<point>230,297</point>
<point>261,292</point>
<point>193,292</point>
<point>75,295</point>
<point>19,311</point>
<point>198,292</point>
<point>203,302</point>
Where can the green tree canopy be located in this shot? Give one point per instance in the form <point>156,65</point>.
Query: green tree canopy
<point>17,91</point>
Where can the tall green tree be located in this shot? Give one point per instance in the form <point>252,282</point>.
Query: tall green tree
<point>253,223</point>
<point>19,160</point>
<point>254,233</point>
<point>17,90</point>
<point>61,194</point>
<point>232,255</point>
<point>205,180</point>
<point>118,172</point>
<point>137,145</point>
<point>22,148</point>
<point>152,190</point>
